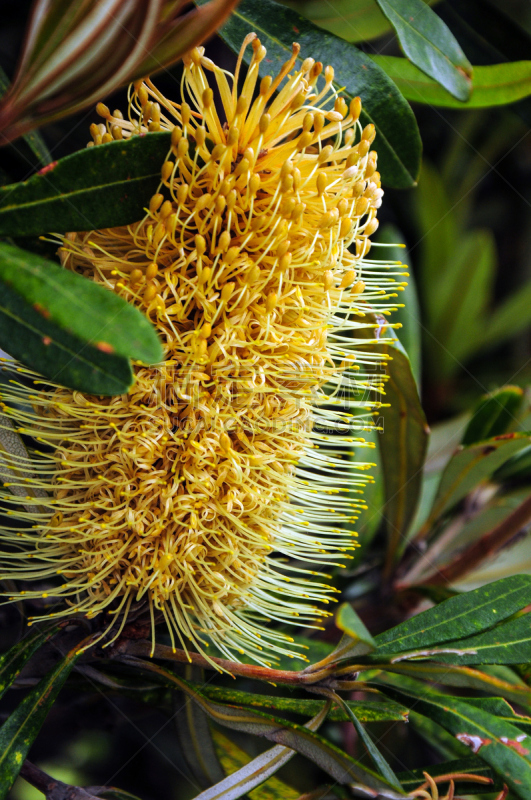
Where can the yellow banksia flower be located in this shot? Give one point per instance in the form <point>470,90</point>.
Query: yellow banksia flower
<point>223,482</point>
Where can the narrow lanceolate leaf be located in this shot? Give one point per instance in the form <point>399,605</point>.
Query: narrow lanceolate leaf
<point>464,677</point>
<point>494,84</point>
<point>19,731</point>
<point>403,443</point>
<point>378,759</point>
<point>365,710</point>
<point>12,662</point>
<point>459,617</point>
<point>468,467</point>
<point>499,743</point>
<point>496,413</point>
<point>99,187</point>
<point>430,44</point>
<point>70,329</point>
<point>330,758</point>
<point>397,141</point>
<point>258,770</point>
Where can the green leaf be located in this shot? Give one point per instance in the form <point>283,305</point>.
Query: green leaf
<point>411,779</point>
<point>379,761</point>
<point>366,711</point>
<point>499,743</point>
<point>459,616</point>
<point>409,316</point>
<point>508,643</point>
<point>352,20</point>
<point>348,621</point>
<point>67,327</point>
<point>403,443</point>
<point>97,315</point>
<point>494,84</point>
<point>468,467</point>
<point>465,677</point>
<point>233,758</point>
<point>12,662</point>
<point>494,414</point>
<point>397,141</point>
<point>524,672</point>
<point>19,731</point>
<point>99,187</point>
<point>445,437</point>
<point>55,354</point>
<point>430,44</point>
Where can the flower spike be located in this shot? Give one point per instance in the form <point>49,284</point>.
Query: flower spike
<point>227,468</point>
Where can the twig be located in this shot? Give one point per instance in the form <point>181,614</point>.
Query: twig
<point>51,788</point>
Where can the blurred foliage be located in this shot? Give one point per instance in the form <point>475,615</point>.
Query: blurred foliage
<point>434,624</point>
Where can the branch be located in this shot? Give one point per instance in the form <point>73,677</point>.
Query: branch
<point>52,789</point>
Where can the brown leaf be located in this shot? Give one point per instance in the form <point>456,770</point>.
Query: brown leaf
<point>76,53</point>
